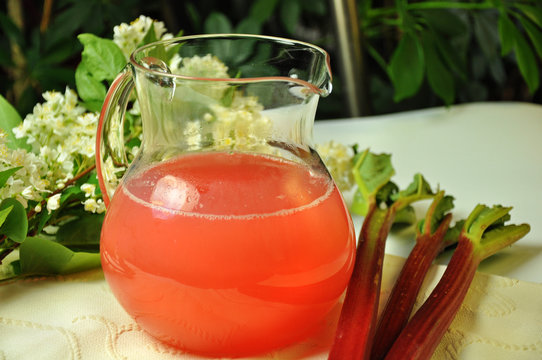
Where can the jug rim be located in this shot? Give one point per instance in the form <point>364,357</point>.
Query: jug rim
<point>322,91</point>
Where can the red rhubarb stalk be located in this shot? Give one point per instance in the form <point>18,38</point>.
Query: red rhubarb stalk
<point>379,197</point>
<point>430,241</point>
<point>482,235</point>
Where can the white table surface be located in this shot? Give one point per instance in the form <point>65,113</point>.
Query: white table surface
<point>488,153</point>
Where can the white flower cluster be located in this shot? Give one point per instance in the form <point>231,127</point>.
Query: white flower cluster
<point>92,203</point>
<point>62,133</point>
<point>236,126</point>
<point>207,67</point>
<point>241,125</point>
<point>62,137</point>
<point>338,160</point>
<point>129,36</point>
<point>30,181</point>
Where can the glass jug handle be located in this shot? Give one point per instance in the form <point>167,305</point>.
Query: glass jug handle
<point>110,153</point>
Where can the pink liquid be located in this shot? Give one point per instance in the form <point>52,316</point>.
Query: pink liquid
<point>228,254</point>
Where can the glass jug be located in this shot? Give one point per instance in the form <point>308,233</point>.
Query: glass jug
<point>226,235</point>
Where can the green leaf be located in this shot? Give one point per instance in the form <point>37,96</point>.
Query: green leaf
<point>227,97</point>
<point>10,30</point>
<point>60,53</point>
<point>159,50</point>
<point>386,192</point>
<point>507,32</point>
<point>217,23</point>
<point>359,204</point>
<point>372,173</point>
<point>193,15</point>
<point>4,214</point>
<point>439,77</point>
<point>444,21</point>
<point>248,26</point>
<point>290,12</point>
<point>10,118</point>
<point>527,64</point>
<point>82,233</point>
<point>41,256</point>
<point>534,34</point>
<point>88,88</point>
<point>484,31</point>
<point>454,57</point>
<point>406,68</point>
<point>5,175</point>
<point>318,7</point>
<point>261,10</point>
<point>452,235</point>
<point>418,188</point>
<point>404,218</point>
<point>15,226</point>
<point>532,12</point>
<point>242,49</point>
<point>93,105</point>
<point>482,217</point>
<point>101,57</point>
<point>149,37</point>
<point>443,207</point>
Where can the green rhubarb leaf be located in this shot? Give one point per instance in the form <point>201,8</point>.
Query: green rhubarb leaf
<point>385,193</point>
<point>485,228</point>
<point>418,188</point>
<point>440,207</point>
<point>15,225</point>
<point>372,173</point>
<point>444,206</point>
<point>482,217</point>
<point>499,237</point>
<point>39,255</point>
<point>359,204</point>
<point>404,218</point>
<point>452,235</point>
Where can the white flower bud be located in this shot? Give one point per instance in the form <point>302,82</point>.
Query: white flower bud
<point>53,203</point>
<point>88,189</point>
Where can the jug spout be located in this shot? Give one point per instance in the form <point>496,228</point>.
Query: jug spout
<point>326,78</point>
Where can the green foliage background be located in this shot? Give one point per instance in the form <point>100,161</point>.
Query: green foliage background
<point>417,54</point>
